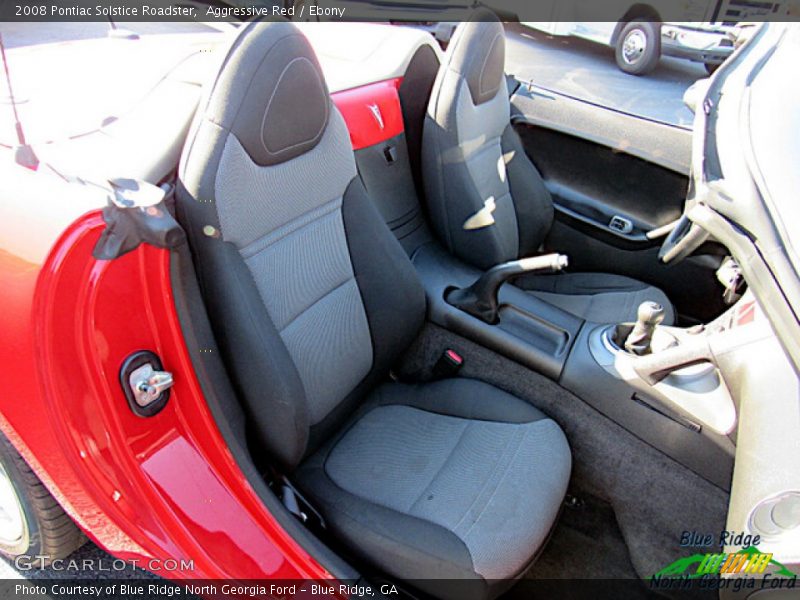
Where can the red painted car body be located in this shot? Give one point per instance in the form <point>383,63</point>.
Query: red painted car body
<point>165,487</point>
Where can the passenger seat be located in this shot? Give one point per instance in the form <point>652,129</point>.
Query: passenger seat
<point>474,163</point>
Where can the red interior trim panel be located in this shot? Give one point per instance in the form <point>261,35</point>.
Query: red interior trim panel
<point>372,112</point>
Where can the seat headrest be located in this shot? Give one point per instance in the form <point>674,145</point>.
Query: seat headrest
<point>478,53</point>
<point>271,93</point>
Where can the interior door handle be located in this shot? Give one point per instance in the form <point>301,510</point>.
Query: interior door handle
<point>632,236</point>
<point>620,224</point>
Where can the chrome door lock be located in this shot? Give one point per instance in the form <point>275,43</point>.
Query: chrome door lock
<point>145,383</point>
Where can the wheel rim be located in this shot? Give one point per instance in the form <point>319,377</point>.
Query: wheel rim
<point>634,46</point>
<point>12,521</point>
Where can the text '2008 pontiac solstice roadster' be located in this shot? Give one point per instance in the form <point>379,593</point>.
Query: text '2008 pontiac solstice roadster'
<point>365,310</point>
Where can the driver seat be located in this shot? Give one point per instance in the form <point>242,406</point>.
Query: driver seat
<point>475,170</point>
<point>312,300</point>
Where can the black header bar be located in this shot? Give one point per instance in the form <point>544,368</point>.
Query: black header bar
<point>552,11</point>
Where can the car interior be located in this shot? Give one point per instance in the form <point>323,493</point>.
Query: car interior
<point>449,351</point>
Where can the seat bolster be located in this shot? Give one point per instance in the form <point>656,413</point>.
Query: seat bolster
<point>597,297</point>
<point>457,397</point>
<point>415,545</point>
<point>532,202</point>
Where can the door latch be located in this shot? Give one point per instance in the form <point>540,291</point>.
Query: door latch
<point>145,383</point>
<point>620,224</point>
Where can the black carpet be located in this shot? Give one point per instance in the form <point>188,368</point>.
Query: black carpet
<point>586,543</point>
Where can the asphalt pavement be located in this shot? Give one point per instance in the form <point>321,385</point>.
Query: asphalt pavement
<point>87,563</point>
<point>587,71</point>
<point>571,66</point>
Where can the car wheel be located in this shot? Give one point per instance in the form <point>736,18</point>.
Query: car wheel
<point>639,47</point>
<point>711,67</point>
<point>31,522</point>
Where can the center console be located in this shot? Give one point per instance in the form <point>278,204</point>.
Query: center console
<point>518,325</point>
<point>675,395</point>
<point>664,384</point>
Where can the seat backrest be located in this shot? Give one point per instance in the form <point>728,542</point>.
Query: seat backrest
<point>486,201</point>
<point>310,296</point>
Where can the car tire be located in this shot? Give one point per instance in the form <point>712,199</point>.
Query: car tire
<point>32,523</point>
<point>638,47</point>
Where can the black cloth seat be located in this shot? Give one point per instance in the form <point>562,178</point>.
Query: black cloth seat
<point>449,480</point>
<point>312,299</point>
<point>598,297</point>
<point>486,200</point>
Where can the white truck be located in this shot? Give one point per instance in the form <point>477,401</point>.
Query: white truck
<point>640,44</point>
<point>706,33</point>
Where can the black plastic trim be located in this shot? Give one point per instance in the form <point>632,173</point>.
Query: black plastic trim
<point>128,227</point>
<point>626,240</point>
<point>705,452</point>
<point>390,186</point>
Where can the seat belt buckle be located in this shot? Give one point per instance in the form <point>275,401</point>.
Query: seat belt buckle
<point>448,365</point>
<point>301,508</point>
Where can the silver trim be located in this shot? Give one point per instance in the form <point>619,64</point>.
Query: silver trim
<point>148,384</point>
<point>12,517</point>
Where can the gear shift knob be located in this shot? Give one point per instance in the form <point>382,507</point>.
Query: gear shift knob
<point>649,315</point>
<point>650,312</point>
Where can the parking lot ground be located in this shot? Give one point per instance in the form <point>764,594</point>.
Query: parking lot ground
<point>88,563</point>
<point>587,71</point>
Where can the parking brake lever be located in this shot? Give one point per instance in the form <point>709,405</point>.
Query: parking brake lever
<point>480,299</point>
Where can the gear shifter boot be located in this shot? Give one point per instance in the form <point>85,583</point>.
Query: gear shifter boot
<point>648,317</point>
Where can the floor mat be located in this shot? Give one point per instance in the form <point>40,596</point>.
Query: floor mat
<point>587,543</point>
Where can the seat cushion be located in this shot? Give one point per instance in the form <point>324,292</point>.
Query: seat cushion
<point>597,297</point>
<point>454,479</point>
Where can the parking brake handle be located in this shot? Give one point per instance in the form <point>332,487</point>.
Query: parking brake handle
<point>480,299</point>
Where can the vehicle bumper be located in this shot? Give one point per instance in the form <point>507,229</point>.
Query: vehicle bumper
<point>708,46</point>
